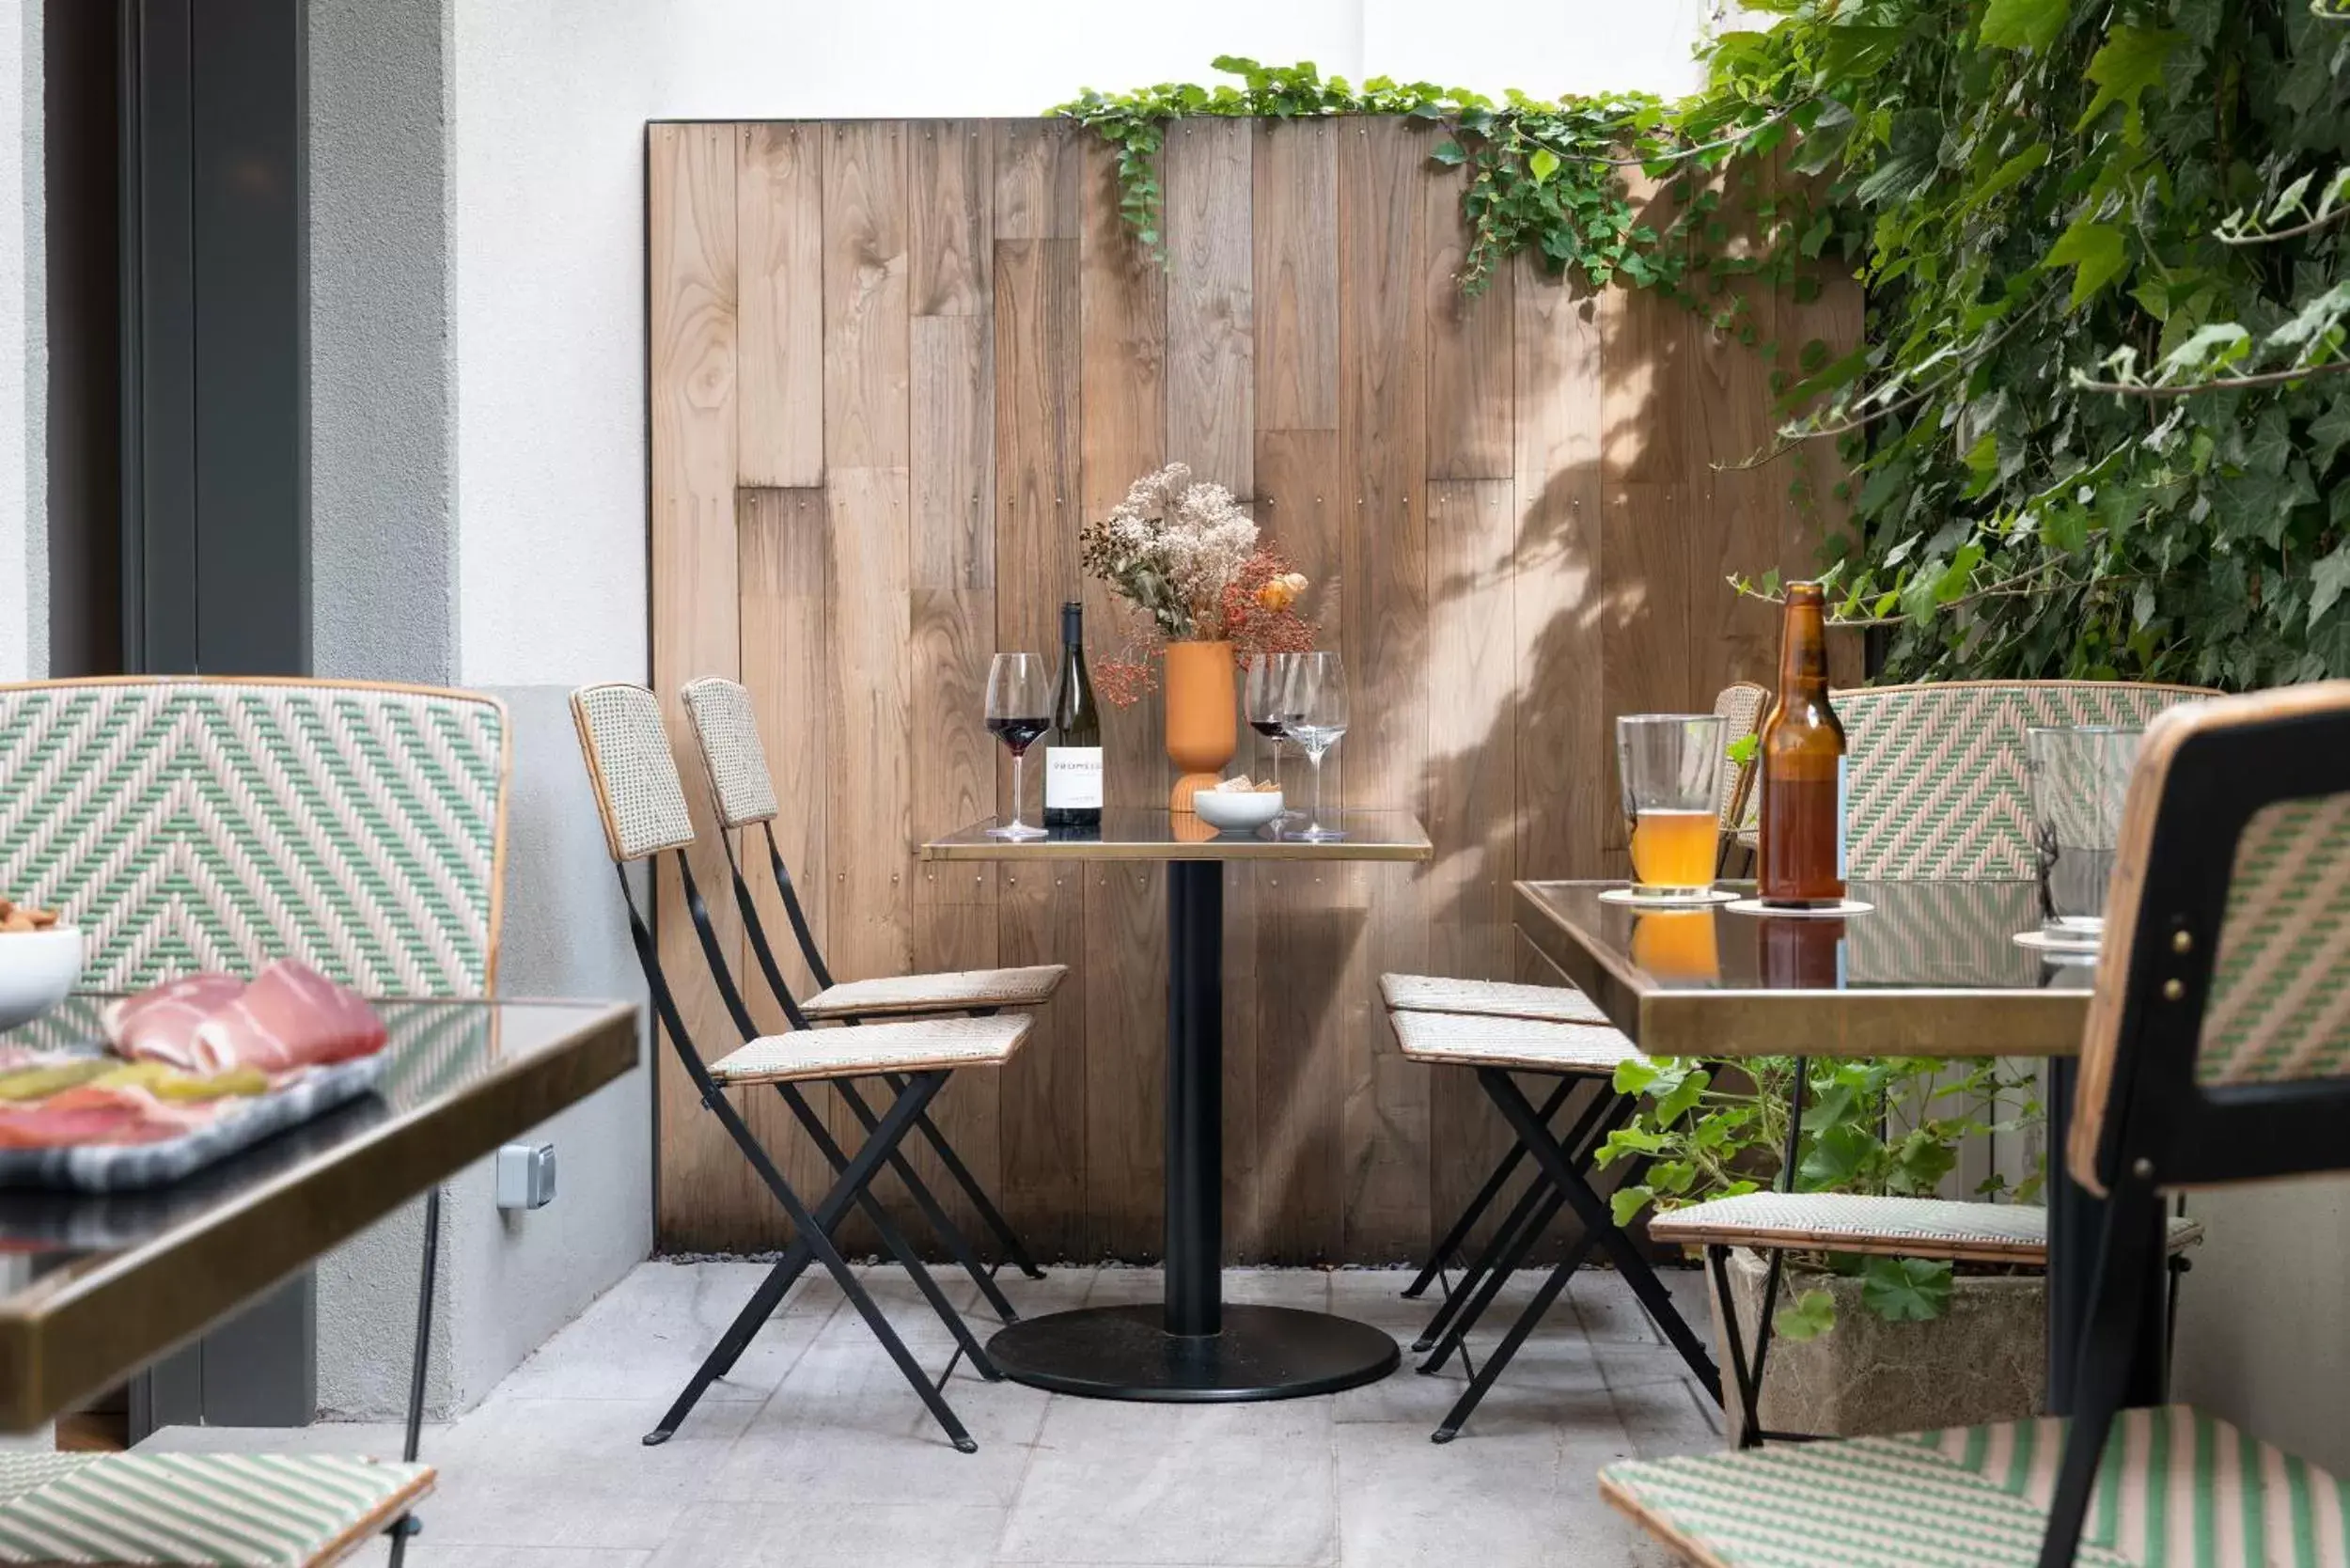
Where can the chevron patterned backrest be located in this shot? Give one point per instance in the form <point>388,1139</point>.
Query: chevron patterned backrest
<point>1939,788</point>
<point>733,757</point>
<point>2278,1010</point>
<point>189,824</point>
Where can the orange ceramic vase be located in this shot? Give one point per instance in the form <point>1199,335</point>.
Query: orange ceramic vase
<point>1202,702</point>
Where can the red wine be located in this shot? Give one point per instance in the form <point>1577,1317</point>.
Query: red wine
<point>1269,729</point>
<point>1018,734</point>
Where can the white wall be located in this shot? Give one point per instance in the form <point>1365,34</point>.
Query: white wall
<point>23,352</point>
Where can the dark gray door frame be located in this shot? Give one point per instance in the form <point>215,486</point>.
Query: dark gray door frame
<point>215,305</point>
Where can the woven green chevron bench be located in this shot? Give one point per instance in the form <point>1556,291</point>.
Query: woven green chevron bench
<point>166,1509</point>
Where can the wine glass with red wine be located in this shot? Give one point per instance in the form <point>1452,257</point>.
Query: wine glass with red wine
<point>1264,697</point>
<point>1019,708</point>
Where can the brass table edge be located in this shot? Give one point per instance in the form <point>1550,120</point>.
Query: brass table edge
<point>1207,849</point>
<point>602,1051</point>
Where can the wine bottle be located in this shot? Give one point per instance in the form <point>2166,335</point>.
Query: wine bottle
<point>1802,746</point>
<point>1073,757</point>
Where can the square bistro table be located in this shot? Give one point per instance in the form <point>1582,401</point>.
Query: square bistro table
<point>1194,1347</point>
<point>1933,969</point>
<point>95,1285</point>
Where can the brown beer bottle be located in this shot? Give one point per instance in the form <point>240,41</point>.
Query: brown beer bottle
<point>1802,754</point>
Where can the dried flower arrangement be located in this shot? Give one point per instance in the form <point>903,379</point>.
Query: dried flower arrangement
<point>1187,558</point>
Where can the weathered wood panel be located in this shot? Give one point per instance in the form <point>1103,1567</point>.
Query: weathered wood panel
<point>894,366</point>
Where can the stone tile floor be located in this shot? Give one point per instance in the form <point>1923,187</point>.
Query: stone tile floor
<point>815,1452</point>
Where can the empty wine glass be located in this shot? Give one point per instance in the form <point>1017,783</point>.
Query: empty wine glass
<point>1019,708</point>
<point>1264,698</point>
<point>1314,716</point>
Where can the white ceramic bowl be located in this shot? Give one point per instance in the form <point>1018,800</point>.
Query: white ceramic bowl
<point>37,969</point>
<point>1237,811</point>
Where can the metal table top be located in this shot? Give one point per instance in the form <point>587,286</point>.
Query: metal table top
<point>1933,969</point>
<point>1136,834</point>
<point>93,1286</point>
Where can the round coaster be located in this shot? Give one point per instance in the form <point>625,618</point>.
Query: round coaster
<point>2046,943</point>
<point>1646,901</point>
<point>1824,912</point>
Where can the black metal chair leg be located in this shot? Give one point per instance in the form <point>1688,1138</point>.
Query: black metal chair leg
<point>950,1234</point>
<point>981,1204</point>
<point>1592,1210</point>
<point>1466,1406</point>
<point>1454,1239</point>
<point>2106,1357</point>
<point>891,1237</point>
<point>1744,1383</point>
<point>1539,1205</point>
<point>1476,1285</point>
<point>407,1525</point>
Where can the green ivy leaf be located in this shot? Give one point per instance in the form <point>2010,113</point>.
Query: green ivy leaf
<point>2329,432</point>
<point>1905,1290</point>
<point>1683,1098</point>
<point>1543,164</point>
<point>2328,578</point>
<point>2022,23</point>
<point>1811,1315</point>
<point>1837,1156</point>
<point>2130,62</point>
<point>1450,154</point>
<point>2095,250</point>
<point>1627,1202</point>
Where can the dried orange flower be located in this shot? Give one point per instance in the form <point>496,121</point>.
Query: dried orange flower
<point>1280,593</point>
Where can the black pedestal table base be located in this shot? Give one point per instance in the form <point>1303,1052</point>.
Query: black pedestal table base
<point>1126,1353</point>
<point>1192,1347</point>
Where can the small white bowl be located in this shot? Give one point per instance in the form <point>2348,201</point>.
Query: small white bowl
<point>1237,811</point>
<point>38,969</point>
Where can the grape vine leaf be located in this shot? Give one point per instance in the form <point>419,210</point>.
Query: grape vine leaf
<point>2024,24</point>
<point>2093,250</point>
<point>2130,62</point>
<point>1905,1290</point>
<point>2328,578</point>
<point>1812,1316</point>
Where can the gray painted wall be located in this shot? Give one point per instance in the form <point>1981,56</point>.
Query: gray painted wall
<point>386,533</point>
<point>23,351</point>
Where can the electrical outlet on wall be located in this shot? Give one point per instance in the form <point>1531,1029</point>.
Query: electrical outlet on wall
<point>526,1175</point>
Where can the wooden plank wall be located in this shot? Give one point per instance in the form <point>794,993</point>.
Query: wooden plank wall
<point>895,365</point>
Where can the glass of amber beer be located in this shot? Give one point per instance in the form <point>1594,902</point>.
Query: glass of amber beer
<point>1671,768</point>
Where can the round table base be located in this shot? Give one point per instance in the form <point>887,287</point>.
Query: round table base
<point>1126,1353</point>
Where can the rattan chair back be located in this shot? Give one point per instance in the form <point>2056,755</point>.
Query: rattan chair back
<point>1740,705</point>
<point>726,731</point>
<point>187,823</point>
<point>630,767</point>
<point>2218,1046</point>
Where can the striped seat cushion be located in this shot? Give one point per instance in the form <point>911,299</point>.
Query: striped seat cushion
<point>2177,1489</point>
<point>1561,1004</point>
<point>1522,1044</point>
<point>952,992</point>
<point>909,1047</point>
<point>174,1509</point>
<point>1886,1226</point>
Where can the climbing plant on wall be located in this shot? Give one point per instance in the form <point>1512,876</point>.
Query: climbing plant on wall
<point>2098,426</point>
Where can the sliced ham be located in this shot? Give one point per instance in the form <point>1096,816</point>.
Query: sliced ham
<point>160,1025</point>
<point>291,1016</point>
<point>54,1128</point>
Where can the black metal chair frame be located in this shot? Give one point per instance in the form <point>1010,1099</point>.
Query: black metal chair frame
<point>811,1226</point>
<point>1561,1179</point>
<point>755,929</point>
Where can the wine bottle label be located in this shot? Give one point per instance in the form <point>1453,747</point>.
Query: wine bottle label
<point>1072,778</point>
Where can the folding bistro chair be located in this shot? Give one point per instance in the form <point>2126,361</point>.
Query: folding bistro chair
<point>1938,791</point>
<point>1575,1053</point>
<point>2217,1052</point>
<point>1740,705</point>
<point>743,793</point>
<point>643,807</point>
<point>189,823</point>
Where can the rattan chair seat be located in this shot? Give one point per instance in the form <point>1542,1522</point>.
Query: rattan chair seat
<point>1522,1044</point>
<point>910,1046</point>
<point>1883,1227</point>
<point>1560,1004</point>
<point>957,991</point>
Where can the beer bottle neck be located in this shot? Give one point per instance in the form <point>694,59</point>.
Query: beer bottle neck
<point>1803,651</point>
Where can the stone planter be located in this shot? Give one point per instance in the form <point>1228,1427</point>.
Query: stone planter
<point>1986,1359</point>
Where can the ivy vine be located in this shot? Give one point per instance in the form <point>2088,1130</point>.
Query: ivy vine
<point>2099,426</point>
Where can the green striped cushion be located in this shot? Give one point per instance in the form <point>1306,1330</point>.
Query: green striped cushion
<point>176,1509</point>
<point>2177,1489</point>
